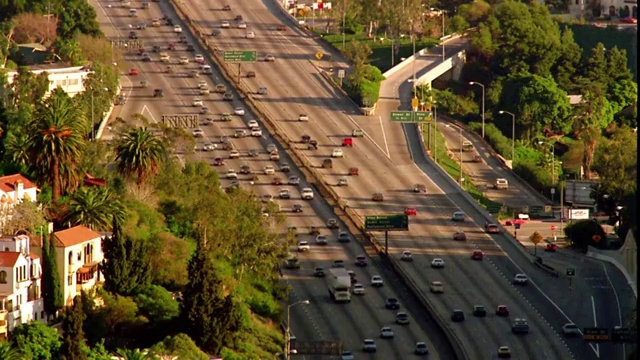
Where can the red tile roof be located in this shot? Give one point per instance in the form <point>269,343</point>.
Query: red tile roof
<point>94,181</point>
<point>34,256</point>
<point>8,258</point>
<point>74,236</point>
<point>8,183</point>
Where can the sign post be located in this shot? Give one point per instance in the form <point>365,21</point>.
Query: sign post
<point>240,57</point>
<point>386,223</point>
<point>341,76</point>
<point>571,272</point>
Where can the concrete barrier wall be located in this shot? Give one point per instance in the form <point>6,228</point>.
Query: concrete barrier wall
<point>592,253</point>
<point>104,122</point>
<point>421,52</point>
<point>353,222</point>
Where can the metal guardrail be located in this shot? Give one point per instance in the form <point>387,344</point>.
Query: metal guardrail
<point>353,221</point>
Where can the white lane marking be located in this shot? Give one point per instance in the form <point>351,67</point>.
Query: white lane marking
<point>595,323</point>
<point>384,137</point>
<point>615,293</point>
<point>108,18</point>
<point>367,135</point>
<point>144,107</point>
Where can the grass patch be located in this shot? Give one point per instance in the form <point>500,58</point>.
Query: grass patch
<point>452,167</point>
<point>381,50</point>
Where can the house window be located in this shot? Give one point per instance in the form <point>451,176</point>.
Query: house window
<point>70,258</point>
<point>6,249</point>
<point>35,316</point>
<point>3,277</point>
<point>79,257</point>
<point>70,280</point>
<point>73,81</point>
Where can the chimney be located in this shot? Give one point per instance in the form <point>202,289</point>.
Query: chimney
<point>19,188</point>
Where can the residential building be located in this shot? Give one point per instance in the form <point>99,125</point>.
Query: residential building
<point>70,79</point>
<point>15,188</point>
<point>20,284</point>
<point>603,8</point>
<point>79,254</point>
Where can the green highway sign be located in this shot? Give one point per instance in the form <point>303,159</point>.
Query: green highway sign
<point>240,56</point>
<point>494,208</point>
<point>595,334</point>
<point>386,223</point>
<point>422,116</point>
<point>536,210</point>
<point>571,272</point>
<point>402,116</point>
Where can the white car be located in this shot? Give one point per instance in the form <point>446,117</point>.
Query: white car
<point>183,60</point>
<point>209,147</point>
<point>376,281</point>
<point>520,279</point>
<point>251,35</point>
<point>274,156</point>
<point>231,174</point>
<point>358,289</point>
<point>238,111</point>
<point>369,345</point>
<point>242,25</point>
<point>206,69</point>
<point>293,180</point>
<point>386,333</point>
<point>202,84</point>
<point>225,25</point>
<point>437,263</point>
<point>234,154</point>
<point>458,216</point>
<point>263,91</point>
<point>198,133</point>
<point>337,153</point>
<point>303,246</point>
<point>269,170</point>
<point>256,132</point>
<point>307,194</point>
<point>570,329</point>
<point>204,91</point>
<point>271,148</point>
<point>284,194</point>
<point>321,240</point>
<point>436,287</point>
<point>253,124</point>
<point>199,59</point>
<point>406,256</point>
<point>269,58</point>
<point>177,29</point>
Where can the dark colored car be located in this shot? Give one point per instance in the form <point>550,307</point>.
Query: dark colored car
<point>457,315</point>
<point>158,93</point>
<point>479,311</point>
<point>392,304</point>
<point>344,237</point>
<point>361,260</point>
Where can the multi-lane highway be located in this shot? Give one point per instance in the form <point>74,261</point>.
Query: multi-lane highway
<point>321,319</point>
<point>295,87</point>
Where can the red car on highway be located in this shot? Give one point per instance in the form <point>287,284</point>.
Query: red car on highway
<point>628,20</point>
<point>133,72</point>
<point>477,255</point>
<point>492,229</point>
<point>411,211</point>
<point>218,161</point>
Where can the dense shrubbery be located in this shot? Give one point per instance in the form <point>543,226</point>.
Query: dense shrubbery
<point>581,234</point>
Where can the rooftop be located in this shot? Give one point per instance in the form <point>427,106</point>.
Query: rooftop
<point>8,183</point>
<point>8,258</point>
<point>74,236</point>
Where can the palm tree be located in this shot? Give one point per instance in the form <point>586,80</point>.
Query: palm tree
<point>134,354</point>
<point>9,353</point>
<point>17,147</point>
<point>139,153</point>
<point>56,139</point>
<point>94,207</point>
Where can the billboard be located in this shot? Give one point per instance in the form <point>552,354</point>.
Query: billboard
<point>579,214</point>
<point>579,192</point>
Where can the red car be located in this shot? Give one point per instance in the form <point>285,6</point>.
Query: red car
<point>629,20</point>
<point>218,161</point>
<point>551,247</point>
<point>133,72</point>
<point>276,181</point>
<point>492,229</point>
<point>477,255</point>
<point>347,142</point>
<point>502,310</point>
<point>411,211</point>
<point>459,236</point>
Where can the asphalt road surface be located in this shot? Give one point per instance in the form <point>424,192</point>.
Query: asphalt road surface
<point>321,319</point>
<point>546,294</point>
<point>296,86</point>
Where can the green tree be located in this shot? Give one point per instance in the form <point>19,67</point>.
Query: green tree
<point>566,68</point>
<point>7,352</point>
<point>581,234</point>
<point>179,345</point>
<point>126,265</point>
<point>210,315</point>
<point>538,102</point>
<point>594,66</point>
<point>51,290</point>
<point>156,303</point>
<point>616,164</point>
<point>36,340</point>
<point>78,17</point>
<point>56,141</point>
<point>94,207</point>
<point>134,354</point>
<point>139,153</point>
<point>16,145</point>
<point>73,341</point>
<point>24,216</point>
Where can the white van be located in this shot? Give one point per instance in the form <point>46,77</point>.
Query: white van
<point>501,184</point>
<point>133,12</point>
<point>206,69</point>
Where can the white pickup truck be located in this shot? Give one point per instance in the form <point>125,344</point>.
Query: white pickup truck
<point>340,285</point>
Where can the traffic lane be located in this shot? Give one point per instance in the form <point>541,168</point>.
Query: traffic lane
<point>393,136</point>
<point>538,300</point>
<point>482,175</point>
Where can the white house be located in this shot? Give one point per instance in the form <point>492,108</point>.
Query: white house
<point>619,8</point>
<point>20,284</point>
<point>70,79</point>
<point>16,188</point>
<point>78,253</point>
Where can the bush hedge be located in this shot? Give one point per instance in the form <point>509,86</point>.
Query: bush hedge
<point>369,87</point>
<point>581,234</point>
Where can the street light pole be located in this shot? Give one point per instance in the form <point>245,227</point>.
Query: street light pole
<point>513,135</point>
<point>482,86</point>
<point>288,349</point>
<point>435,131</point>
<point>443,56</point>
<point>92,122</point>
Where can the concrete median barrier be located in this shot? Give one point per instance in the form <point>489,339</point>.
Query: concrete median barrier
<point>351,219</point>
